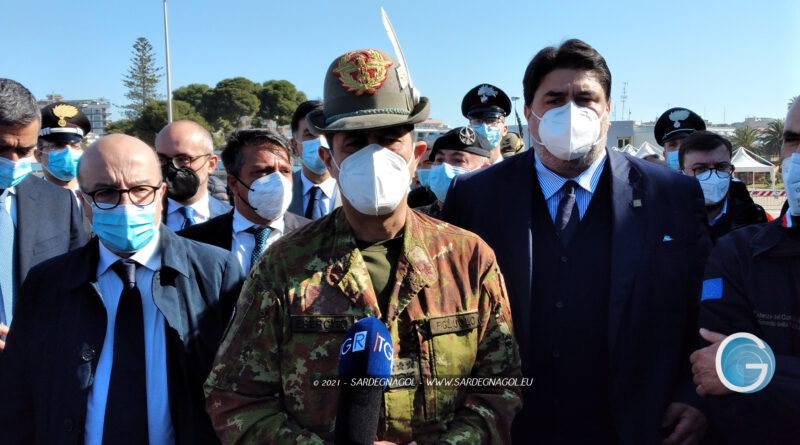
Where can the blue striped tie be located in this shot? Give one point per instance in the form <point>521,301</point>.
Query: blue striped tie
<point>7,234</point>
<point>260,234</point>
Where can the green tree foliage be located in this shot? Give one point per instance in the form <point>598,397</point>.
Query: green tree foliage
<point>231,100</point>
<point>154,117</point>
<point>279,99</point>
<point>194,94</point>
<point>791,101</point>
<point>746,137</point>
<point>772,139</point>
<point>123,126</point>
<point>142,78</point>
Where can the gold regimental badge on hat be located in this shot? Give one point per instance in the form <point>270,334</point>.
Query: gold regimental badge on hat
<point>677,116</point>
<point>64,112</point>
<point>362,71</point>
<point>467,136</point>
<point>485,91</point>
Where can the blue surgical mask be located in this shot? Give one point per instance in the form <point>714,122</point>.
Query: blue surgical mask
<point>424,177</point>
<point>126,228</point>
<point>440,178</point>
<point>310,156</point>
<point>672,160</point>
<point>490,133</point>
<point>12,173</point>
<point>63,163</point>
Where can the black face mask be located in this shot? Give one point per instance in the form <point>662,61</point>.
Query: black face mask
<point>182,183</point>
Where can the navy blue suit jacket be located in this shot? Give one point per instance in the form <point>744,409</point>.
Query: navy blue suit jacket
<point>659,246</point>
<point>49,223</point>
<point>48,367</point>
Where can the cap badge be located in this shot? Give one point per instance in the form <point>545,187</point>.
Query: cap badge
<point>485,91</point>
<point>467,136</point>
<point>362,72</point>
<point>63,112</point>
<point>677,116</point>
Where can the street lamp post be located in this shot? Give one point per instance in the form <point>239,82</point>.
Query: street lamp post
<point>169,74</point>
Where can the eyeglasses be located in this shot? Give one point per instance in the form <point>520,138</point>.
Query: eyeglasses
<point>108,198</point>
<point>723,171</point>
<point>180,161</point>
<point>488,121</point>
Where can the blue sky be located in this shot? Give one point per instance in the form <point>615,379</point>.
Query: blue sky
<point>719,58</point>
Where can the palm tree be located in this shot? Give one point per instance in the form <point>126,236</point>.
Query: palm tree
<point>745,137</point>
<point>772,139</point>
<point>791,101</point>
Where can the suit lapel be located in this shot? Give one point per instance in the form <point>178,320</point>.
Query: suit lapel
<point>629,207</point>
<point>296,206</point>
<point>27,225</point>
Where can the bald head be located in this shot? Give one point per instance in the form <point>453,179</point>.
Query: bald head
<point>791,131</point>
<point>118,161</point>
<point>186,138</point>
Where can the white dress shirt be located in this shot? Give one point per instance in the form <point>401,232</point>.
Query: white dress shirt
<point>328,188</point>
<point>551,184</point>
<point>175,218</point>
<point>11,203</point>
<point>244,242</point>
<point>159,420</point>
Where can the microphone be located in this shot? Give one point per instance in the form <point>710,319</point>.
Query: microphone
<point>365,365</point>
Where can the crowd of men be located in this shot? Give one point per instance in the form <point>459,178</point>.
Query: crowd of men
<point>591,289</point>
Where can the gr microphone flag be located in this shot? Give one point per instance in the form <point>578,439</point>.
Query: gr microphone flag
<point>365,355</point>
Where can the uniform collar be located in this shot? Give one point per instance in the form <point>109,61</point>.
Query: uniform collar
<point>349,273</point>
<point>776,240</point>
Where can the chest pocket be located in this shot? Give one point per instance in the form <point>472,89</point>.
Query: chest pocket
<point>452,346</point>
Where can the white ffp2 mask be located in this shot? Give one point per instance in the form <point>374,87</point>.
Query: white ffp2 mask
<point>569,131</point>
<point>374,179</point>
<point>270,196</point>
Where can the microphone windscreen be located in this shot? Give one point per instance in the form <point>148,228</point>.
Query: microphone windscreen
<point>366,350</point>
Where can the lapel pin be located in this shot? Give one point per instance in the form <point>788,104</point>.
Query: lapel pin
<point>636,203</point>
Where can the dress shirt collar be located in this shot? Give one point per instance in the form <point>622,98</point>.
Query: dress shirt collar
<point>327,186</point>
<point>148,256</point>
<point>587,180</point>
<point>201,207</point>
<point>241,224</point>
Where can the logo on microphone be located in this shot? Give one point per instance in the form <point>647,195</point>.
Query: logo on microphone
<point>745,363</point>
<point>357,343</point>
<point>382,345</point>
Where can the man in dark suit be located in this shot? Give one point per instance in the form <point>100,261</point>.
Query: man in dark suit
<point>113,340</point>
<point>250,155</point>
<point>603,256</point>
<point>38,220</point>
<point>186,152</point>
<point>315,192</point>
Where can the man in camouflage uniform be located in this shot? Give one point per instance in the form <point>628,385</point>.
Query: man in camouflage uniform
<point>437,288</point>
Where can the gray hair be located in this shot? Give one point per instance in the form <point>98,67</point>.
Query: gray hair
<point>232,153</point>
<point>17,104</point>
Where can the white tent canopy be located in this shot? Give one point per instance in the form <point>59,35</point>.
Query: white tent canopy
<point>744,161</point>
<point>648,150</point>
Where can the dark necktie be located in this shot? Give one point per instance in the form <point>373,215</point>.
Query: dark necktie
<point>126,406</point>
<point>261,234</point>
<point>568,217</point>
<point>314,208</point>
<point>188,217</point>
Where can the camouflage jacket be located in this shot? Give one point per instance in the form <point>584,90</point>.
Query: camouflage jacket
<point>448,316</point>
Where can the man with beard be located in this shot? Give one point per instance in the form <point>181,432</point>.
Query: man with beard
<point>603,255</point>
<point>186,152</point>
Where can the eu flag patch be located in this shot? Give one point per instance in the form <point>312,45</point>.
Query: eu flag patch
<point>712,289</point>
